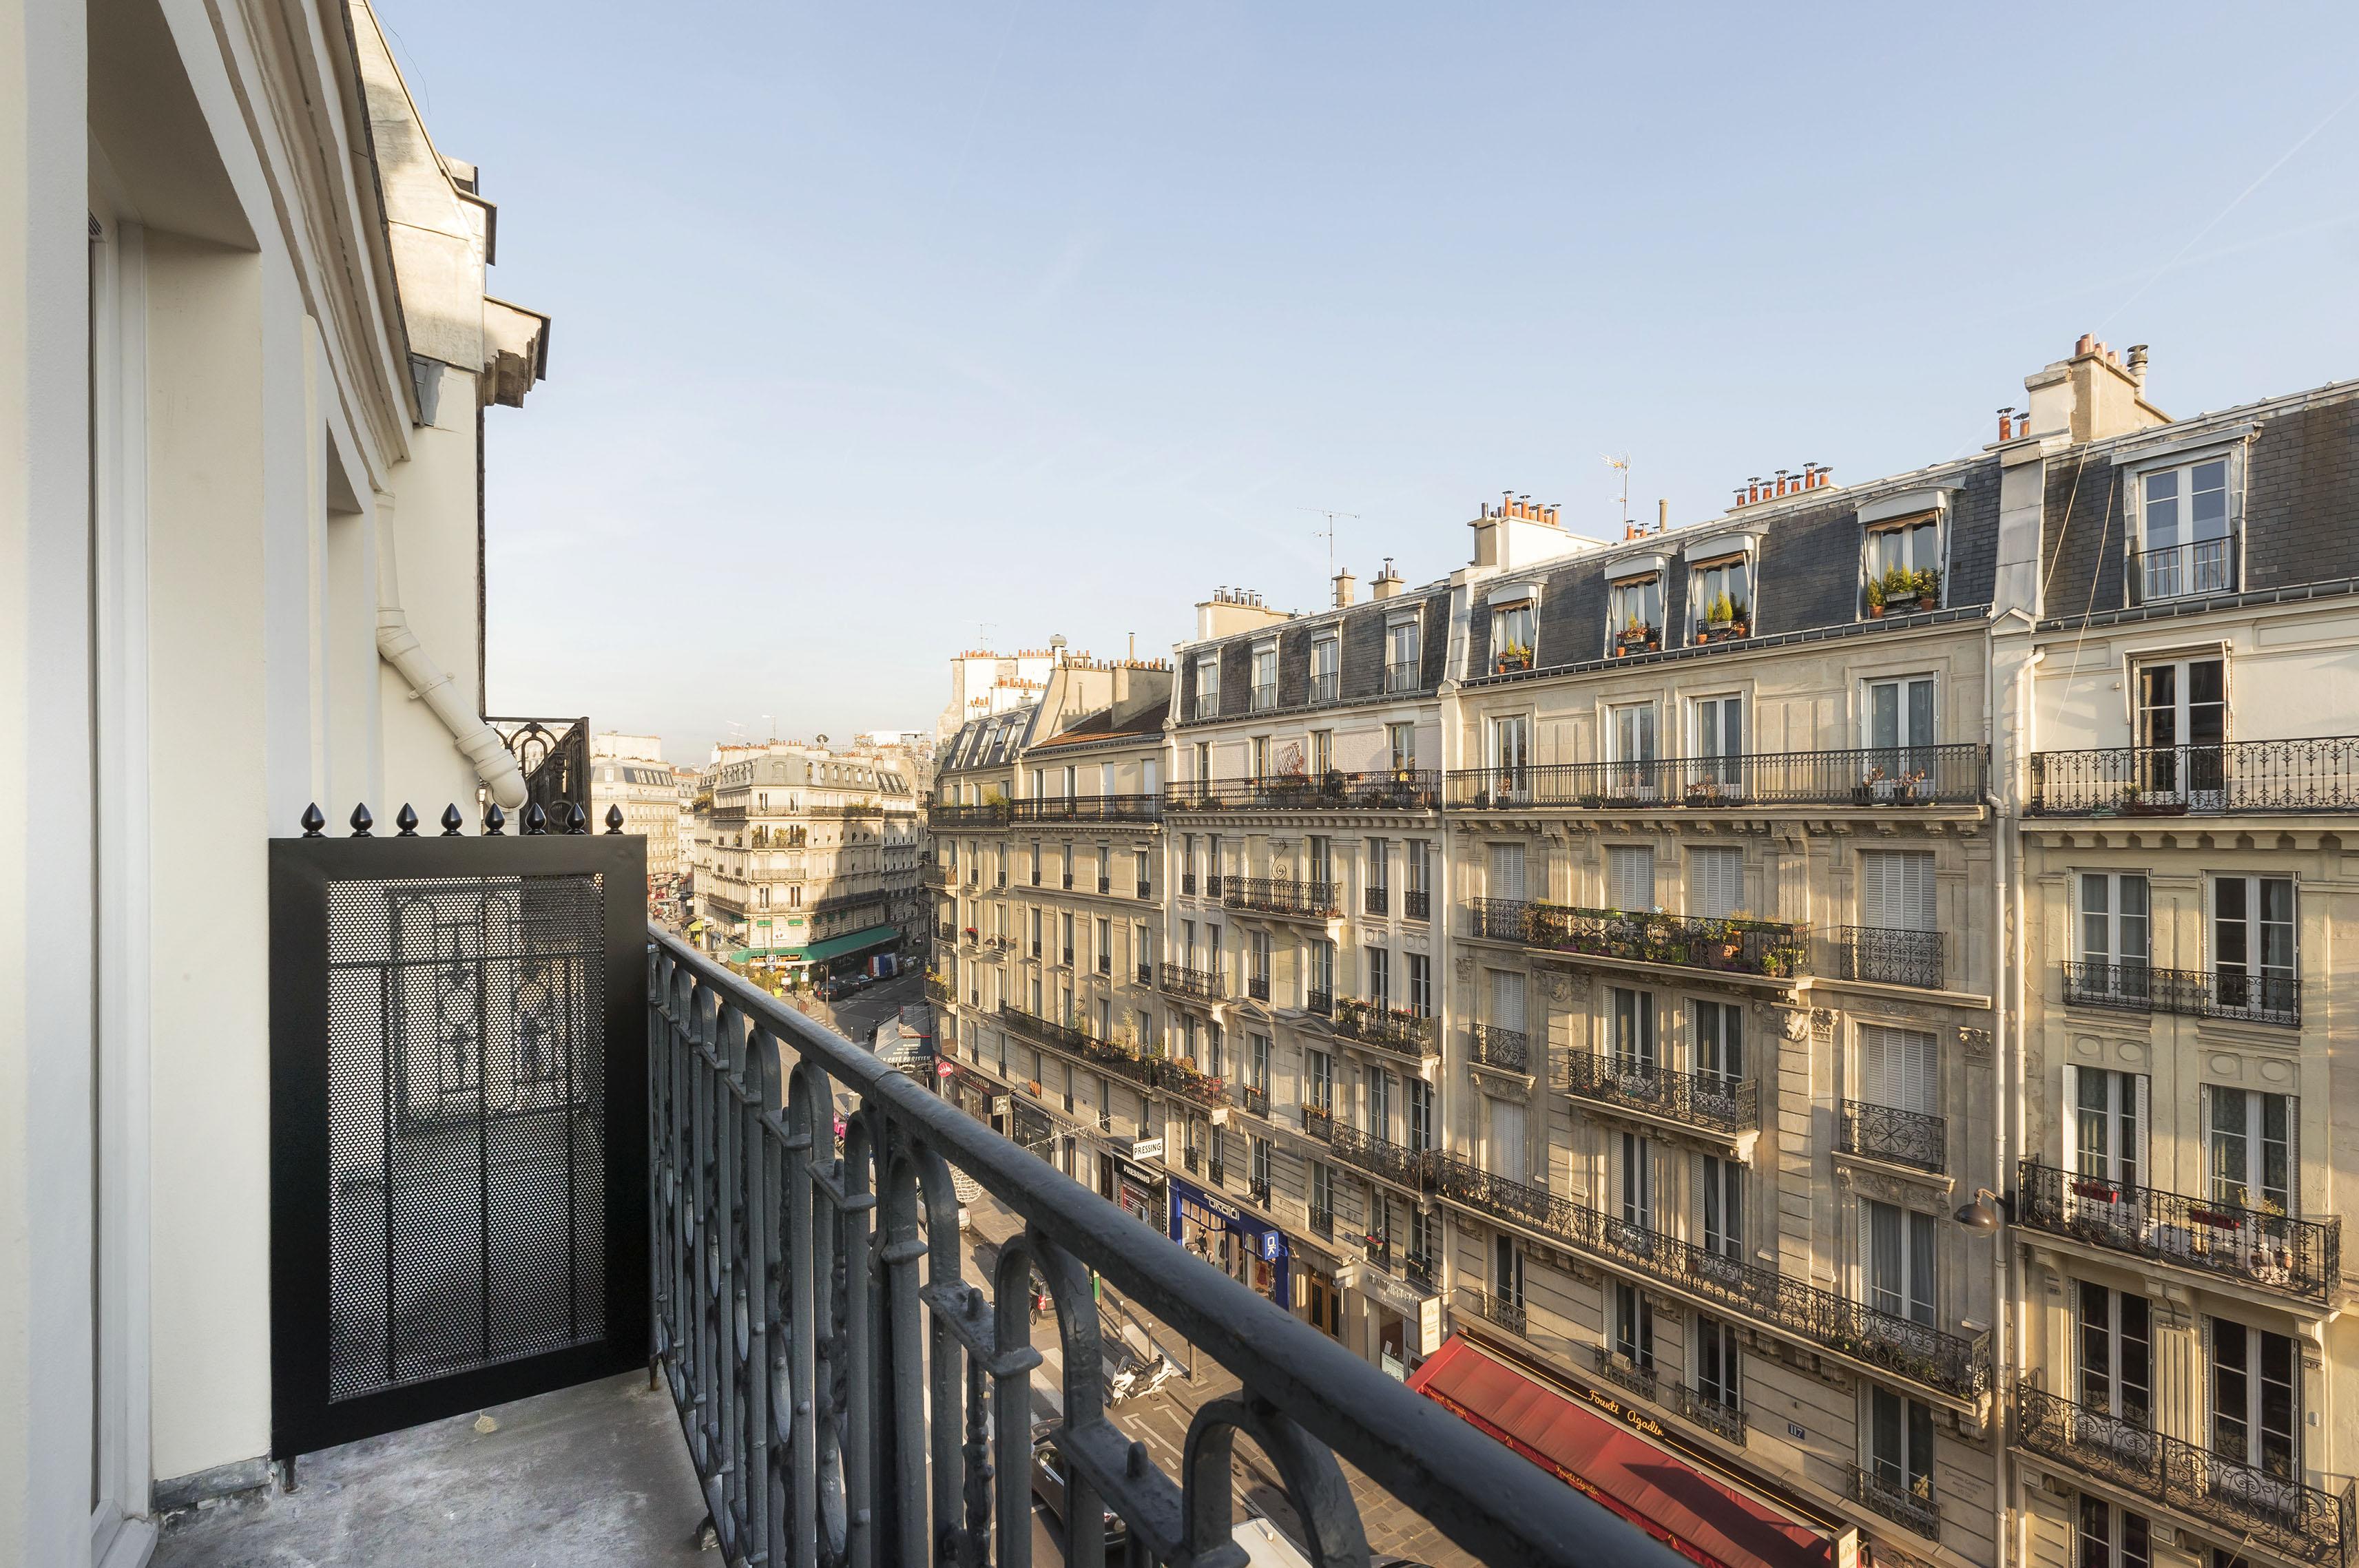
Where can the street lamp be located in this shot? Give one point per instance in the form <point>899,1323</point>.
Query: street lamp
<point>1985,1214</point>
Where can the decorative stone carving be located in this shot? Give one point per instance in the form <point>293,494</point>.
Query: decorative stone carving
<point>1974,1044</point>
<point>1822,1024</point>
<point>1921,1198</point>
<point>1465,968</point>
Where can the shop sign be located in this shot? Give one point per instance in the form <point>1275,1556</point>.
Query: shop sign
<point>1138,1149</point>
<point>1429,1326</point>
<point>1000,1103</point>
<point>1269,1239</point>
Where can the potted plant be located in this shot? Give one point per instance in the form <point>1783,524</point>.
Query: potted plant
<point>1900,590</point>
<point>1740,622</point>
<point>1719,615</point>
<point>1876,598</point>
<point>1636,637</point>
<point>1929,589</point>
<point>1514,656</point>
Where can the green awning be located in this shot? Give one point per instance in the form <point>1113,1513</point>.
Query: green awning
<point>819,952</point>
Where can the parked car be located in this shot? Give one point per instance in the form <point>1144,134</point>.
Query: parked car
<point>1049,1486</point>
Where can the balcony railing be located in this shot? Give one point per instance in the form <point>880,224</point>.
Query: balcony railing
<point>555,756</point>
<point>1326,686</point>
<point>1910,1505</point>
<point>2265,1247</point>
<point>934,875</point>
<point>1379,1250</point>
<point>1388,1029</point>
<point>1401,789</point>
<point>1724,1417</point>
<point>1318,1121</point>
<point>2182,572</point>
<point>1106,1056</point>
<point>2320,774</point>
<point>1401,677</point>
<point>1889,956</point>
<point>2197,993</point>
<point>1509,1049</point>
<point>1377,901</point>
<point>1417,904</point>
<point>1146,974</point>
<point>1282,895</point>
<point>1322,1224</point>
<point>1394,1162</point>
<point>1215,1171</point>
<point>1418,1269</point>
<point>800,1318</point>
<point>1501,1311</point>
<point>1767,947</point>
<point>1902,1347</point>
<point>1318,1001</point>
<point>1716,1100</point>
<point>1145,888</point>
<point>973,814</point>
<point>1188,883</point>
<point>1252,1099</point>
<point>1953,773</point>
<point>1179,980</point>
<point>937,989</point>
<point>1262,697</point>
<point>1624,1373</point>
<point>1257,987</point>
<point>1887,1132</point>
<point>1257,1190</point>
<point>1087,808</point>
<point>2276,1512</point>
<point>1179,1078</point>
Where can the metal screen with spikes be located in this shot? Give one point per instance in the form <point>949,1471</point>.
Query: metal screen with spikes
<point>457,1094</point>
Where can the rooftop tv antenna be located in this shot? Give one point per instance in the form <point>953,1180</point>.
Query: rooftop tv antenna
<point>1328,532</point>
<point>982,635</point>
<point>1622,462</point>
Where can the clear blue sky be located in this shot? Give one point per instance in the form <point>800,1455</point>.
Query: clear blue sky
<point>874,322</point>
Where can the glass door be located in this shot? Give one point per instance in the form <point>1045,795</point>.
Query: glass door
<point>2182,720</point>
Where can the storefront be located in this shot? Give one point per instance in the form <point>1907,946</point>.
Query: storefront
<point>1318,1295</point>
<point>1249,1250</point>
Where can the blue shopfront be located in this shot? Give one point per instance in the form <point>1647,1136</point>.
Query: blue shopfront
<point>1250,1250</point>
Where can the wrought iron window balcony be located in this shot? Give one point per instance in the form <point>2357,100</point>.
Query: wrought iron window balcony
<point>1418,1269</point>
<point>2200,566</point>
<point>1146,974</point>
<point>1318,1001</point>
<point>937,989</point>
<point>999,943</point>
<point>1389,1029</point>
<point>1378,1251</point>
<point>1212,885</point>
<point>1624,1373</point>
<point>1068,879</point>
<point>1145,888</point>
<point>1065,957</point>
<point>1724,1417</point>
<point>1215,1171</point>
<point>1886,1132</point>
<point>1262,697</point>
<point>1106,1056</point>
<point>1179,1078</point>
<point>1036,877</point>
<point>1326,686</point>
<point>2196,994</point>
<point>1946,1364</point>
<point>1911,1506</point>
<point>1257,987</point>
<point>1105,887</point>
<point>1188,883</point>
<point>1508,1050</point>
<point>1500,1311</point>
<point>934,876</point>
<point>1088,808</point>
<point>1105,963</point>
<point>2318,774</point>
<point>2258,1247</point>
<point>1772,948</point>
<point>1890,955</point>
<point>1204,985</point>
<point>1283,895</point>
<point>1257,1191</point>
<point>1396,1163</point>
<point>1716,1100</point>
<point>1417,904</point>
<point>1322,1224</point>
<point>1378,899</point>
<point>1192,1159</point>
<point>2278,1511</point>
<point>976,814</point>
<point>1319,1122</point>
<point>1035,947</point>
<point>1401,677</point>
<point>1953,773</point>
<point>1000,880</point>
<point>1382,789</point>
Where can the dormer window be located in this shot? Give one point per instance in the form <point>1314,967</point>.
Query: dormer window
<point>1634,616</point>
<point>1208,685</point>
<point>2185,542</point>
<point>1902,566</point>
<point>1265,678</point>
<point>1719,599</point>
<point>1515,628</point>
<point>1326,667</point>
<point>1401,657</point>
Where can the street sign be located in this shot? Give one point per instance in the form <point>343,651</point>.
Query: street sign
<point>944,1069</point>
<point>1000,1103</point>
<point>1269,1246</point>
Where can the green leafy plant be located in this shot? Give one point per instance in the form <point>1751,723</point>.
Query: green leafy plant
<point>1721,612</point>
<point>1900,582</point>
<point>1876,593</point>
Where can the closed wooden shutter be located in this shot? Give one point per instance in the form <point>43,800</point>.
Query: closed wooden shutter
<point>2072,1093</point>
<point>1899,1067</point>
<point>1507,1139</point>
<point>1631,877</point>
<point>1506,1000</point>
<point>1507,872</point>
<point>1895,889</point>
<point>1716,882</point>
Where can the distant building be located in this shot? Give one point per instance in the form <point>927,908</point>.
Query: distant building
<point>647,792</point>
<point>626,748</point>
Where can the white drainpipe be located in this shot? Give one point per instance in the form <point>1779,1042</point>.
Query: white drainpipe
<point>430,684</point>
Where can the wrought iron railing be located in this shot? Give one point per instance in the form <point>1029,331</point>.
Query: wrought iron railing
<point>2317,773</point>
<point>2275,1510</point>
<point>1417,904</point>
<point>847,1393</point>
<point>1257,987</point>
<point>1501,1310</point>
<point>1087,808</point>
<point>1953,773</point>
<point>1377,900</point>
<point>1216,1171</point>
<point>937,989</point>
<point>1716,1100</point>
<point>1418,1269</point>
<point>1385,789</point>
<point>1179,1078</point>
<point>971,814</point>
<point>1623,1372</point>
<point>1146,974</point>
<point>1106,1056</point>
<point>934,874</point>
<point>1492,1046</point>
<point>1261,697</point>
<point>1145,888</point>
<point>1188,883</point>
<point>2197,993</point>
<point>1769,948</point>
<point>1252,1099</point>
<point>1318,1001</point>
<point>1318,1121</point>
<point>1911,1503</point>
<point>554,755</point>
<point>2254,1246</point>
<point>1888,1132</point>
<point>1893,957</point>
<point>1401,677</point>
<point>1322,1224</point>
<point>1379,1250</point>
<point>1326,686</point>
<point>1205,985</point>
<point>1723,1417</point>
<point>1901,1347</point>
<point>1257,1190</point>
<point>1388,1029</point>
<point>2158,572</point>
<point>1282,895</point>
<point>1396,1163</point>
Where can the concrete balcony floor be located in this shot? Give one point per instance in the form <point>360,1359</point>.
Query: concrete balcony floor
<point>593,1473</point>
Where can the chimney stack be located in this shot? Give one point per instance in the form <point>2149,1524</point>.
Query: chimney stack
<point>1344,583</point>
<point>1387,583</point>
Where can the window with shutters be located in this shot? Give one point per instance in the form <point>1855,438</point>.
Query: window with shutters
<point>1897,1067</point>
<point>1716,882</point>
<point>2251,1150</point>
<point>1896,1259</point>
<point>1507,881</point>
<point>1507,1140</point>
<point>1630,877</point>
<point>1895,889</point>
<point>2115,1343</point>
<point>1506,1000</point>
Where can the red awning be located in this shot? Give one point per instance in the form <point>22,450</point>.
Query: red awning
<point>1668,1498</point>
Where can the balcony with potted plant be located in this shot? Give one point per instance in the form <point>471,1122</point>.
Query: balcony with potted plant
<point>1725,619</point>
<point>1513,659</point>
<point>1637,637</point>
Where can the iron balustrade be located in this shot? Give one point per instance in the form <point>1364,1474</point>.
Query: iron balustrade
<point>1259,1192</point>
<point>1105,887</point>
<point>1282,895</point>
<point>1379,1250</point>
<point>1401,677</point>
<point>1257,987</point>
<point>1145,888</point>
<point>1888,1132</point>
<point>1394,1162</point>
<point>1068,882</point>
<point>1492,1046</point>
<point>934,875</point>
<point>1418,1269</point>
<point>1383,789</point>
<point>1377,900</point>
<point>1417,904</point>
<point>1065,957</point>
<point>2198,567</point>
<point>1204,985</point>
<point>1181,1079</point>
<point>1951,774</point>
<point>1087,808</point>
<point>848,1395</point>
<point>1105,963</point>
<point>1623,1372</point>
<point>1890,955</point>
<point>1212,885</point>
<point>937,989</point>
<point>1192,1159</point>
<point>2316,773</point>
<point>1188,883</point>
<point>2254,1246</point>
<point>1388,1029</point>
<point>2197,993</point>
<point>1718,1100</point>
<point>1723,1418</point>
<point>1500,1311</point>
<point>1908,1504</point>
<point>1216,1171</point>
<point>971,814</point>
<point>1105,1054</point>
<point>1146,974</point>
<point>1326,686</point>
<point>1319,1122</point>
<point>2279,1513</point>
<point>554,755</point>
<point>1322,1224</point>
<point>1768,947</point>
<point>1318,1001</point>
<point>1256,1100</point>
<point>1945,1363</point>
<point>1262,697</point>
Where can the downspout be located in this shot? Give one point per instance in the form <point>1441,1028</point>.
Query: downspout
<point>430,684</point>
<point>2008,1332</point>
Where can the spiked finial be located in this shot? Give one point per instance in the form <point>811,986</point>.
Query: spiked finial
<point>614,819</point>
<point>406,820</point>
<point>495,819</point>
<point>535,820</point>
<point>312,820</point>
<point>362,821</point>
<point>576,819</point>
<point>451,821</point>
